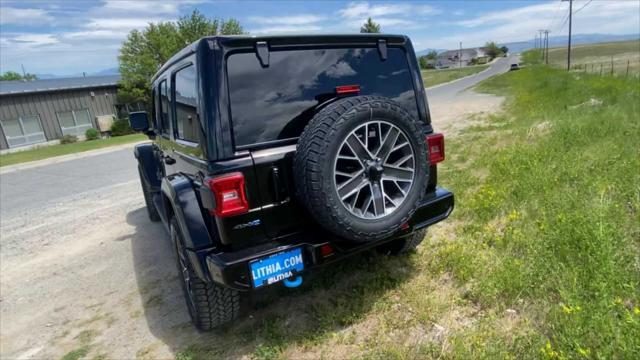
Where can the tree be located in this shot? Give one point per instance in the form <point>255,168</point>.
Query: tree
<point>370,27</point>
<point>422,60</point>
<point>492,49</point>
<point>12,75</point>
<point>432,55</point>
<point>231,27</point>
<point>144,52</point>
<point>504,49</point>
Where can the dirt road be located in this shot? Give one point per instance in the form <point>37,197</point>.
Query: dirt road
<point>83,271</point>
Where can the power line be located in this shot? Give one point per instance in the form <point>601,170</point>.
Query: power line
<point>564,22</point>
<point>583,6</point>
<point>555,17</point>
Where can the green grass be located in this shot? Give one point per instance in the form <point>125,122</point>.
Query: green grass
<point>57,150</point>
<point>593,57</point>
<point>77,354</point>
<point>550,206</point>
<point>546,226</point>
<point>435,77</point>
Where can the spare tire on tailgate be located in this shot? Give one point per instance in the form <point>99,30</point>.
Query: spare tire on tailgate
<point>361,167</point>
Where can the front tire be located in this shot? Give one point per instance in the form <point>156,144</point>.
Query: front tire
<point>210,305</point>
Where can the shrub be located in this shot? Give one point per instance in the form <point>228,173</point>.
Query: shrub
<point>68,139</point>
<point>121,127</point>
<point>91,134</point>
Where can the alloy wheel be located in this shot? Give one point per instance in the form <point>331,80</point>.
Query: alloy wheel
<point>374,170</point>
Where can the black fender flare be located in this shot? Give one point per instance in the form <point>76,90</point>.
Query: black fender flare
<point>180,194</point>
<point>148,164</point>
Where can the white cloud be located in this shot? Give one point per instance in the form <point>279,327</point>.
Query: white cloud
<point>97,34</point>
<point>18,16</point>
<point>301,23</point>
<point>90,38</point>
<point>603,17</point>
<point>140,7</point>
<point>124,23</point>
<point>398,15</point>
<point>303,19</point>
<point>280,29</point>
<point>523,13</point>
<point>35,39</point>
<point>364,9</point>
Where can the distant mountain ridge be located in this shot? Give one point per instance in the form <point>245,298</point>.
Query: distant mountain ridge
<point>555,41</point>
<point>426,51</point>
<point>110,71</point>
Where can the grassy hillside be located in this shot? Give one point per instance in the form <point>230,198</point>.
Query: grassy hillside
<point>540,259</point>
<point>596,55</point>
<point>549,201</point>
<point>435,77</point>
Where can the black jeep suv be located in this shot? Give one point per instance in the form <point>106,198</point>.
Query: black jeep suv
<point>275,155</point>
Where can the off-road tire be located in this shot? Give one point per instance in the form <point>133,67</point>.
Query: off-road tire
<point>148,198</point>
<point>210,305</point>
<point>404,245</point>
<point>314,160</point>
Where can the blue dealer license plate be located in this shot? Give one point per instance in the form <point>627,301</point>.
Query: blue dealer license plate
<point>276,267</point>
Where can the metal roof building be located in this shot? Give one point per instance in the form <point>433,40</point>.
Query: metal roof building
<point>38,111</point>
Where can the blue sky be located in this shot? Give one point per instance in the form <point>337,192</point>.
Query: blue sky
<point>70,37</point>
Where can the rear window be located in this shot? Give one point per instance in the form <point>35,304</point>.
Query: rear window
<point>276,102</point>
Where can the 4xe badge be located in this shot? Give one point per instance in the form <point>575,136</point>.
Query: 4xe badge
<point>246,225</point>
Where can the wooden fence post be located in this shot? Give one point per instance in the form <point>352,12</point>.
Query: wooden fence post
<point>627,74</point>
<point>611,65</point>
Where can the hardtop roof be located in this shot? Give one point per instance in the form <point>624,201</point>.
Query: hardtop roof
<point>231,41</point>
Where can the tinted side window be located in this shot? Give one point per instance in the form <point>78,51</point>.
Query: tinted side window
<point>276,102</point>
<point>154,95</point>
<point>164,107</point>
<point>187,124</point>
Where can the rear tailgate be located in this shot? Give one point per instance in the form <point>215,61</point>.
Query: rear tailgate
<point>271,105</point>
<point>279,212</point>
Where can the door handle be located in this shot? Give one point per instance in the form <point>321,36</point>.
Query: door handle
<point>169,160</point>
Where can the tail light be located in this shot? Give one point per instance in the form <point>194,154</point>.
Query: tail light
<point>435,144</point>
<point>348,89</point>
<point>229,193</point>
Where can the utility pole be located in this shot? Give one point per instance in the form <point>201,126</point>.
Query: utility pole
<point>546,46</point>
<point>24,74</point>
<point>569,43</point>
<point>535,42</point>
<point>541,43</point>
<point>460,55</point>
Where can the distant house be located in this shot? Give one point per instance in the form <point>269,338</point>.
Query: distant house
<point>464,57</point>
<point>38,111</point>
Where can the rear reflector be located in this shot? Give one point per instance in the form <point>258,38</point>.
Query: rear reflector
<point>347,89</point>
<point>229,192</point>
<point>435,143</point>
<point>326,250</point>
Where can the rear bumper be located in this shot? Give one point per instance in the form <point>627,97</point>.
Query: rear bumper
<point>232,268</point>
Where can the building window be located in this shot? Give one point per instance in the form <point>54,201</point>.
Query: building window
<point>24,130</point>
<point>74,122</point>
<point>186,100</point>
